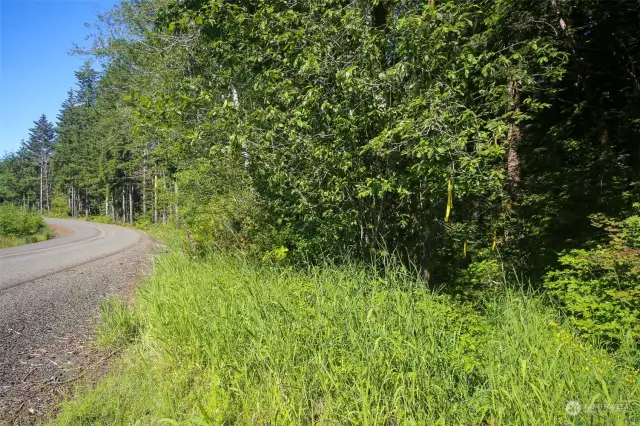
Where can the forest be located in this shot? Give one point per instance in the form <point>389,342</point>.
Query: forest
<point>467,145</point>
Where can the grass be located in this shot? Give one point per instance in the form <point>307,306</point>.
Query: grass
<point>20,226</point>
<point>44,235</point>
<point>223,341</point>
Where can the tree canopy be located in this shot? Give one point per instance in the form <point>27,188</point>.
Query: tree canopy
<point>445,133</point>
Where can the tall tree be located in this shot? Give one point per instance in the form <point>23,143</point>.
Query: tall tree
<point>39,149</point>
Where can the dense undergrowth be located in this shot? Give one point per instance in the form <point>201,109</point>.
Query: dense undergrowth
<point>21,226</point>
<point>222,340</point>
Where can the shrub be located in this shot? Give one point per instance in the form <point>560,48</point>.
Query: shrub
<point>600,287</point>
<point>60,207</point>
<point>19,222</point>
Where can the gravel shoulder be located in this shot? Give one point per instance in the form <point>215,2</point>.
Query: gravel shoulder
<point>47,326</point>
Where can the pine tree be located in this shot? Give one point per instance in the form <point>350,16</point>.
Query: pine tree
<point>39,149</point>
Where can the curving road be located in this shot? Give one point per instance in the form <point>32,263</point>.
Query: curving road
<point>87,241</point>
<point>50,293</point>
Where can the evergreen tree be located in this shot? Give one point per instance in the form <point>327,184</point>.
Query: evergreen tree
<point>39,149</point>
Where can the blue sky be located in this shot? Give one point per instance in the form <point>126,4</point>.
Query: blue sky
<point>36,69</point>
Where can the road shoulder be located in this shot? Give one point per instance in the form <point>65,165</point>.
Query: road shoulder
<point>47,328</point>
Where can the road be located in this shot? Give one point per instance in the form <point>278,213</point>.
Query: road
<point>50,293</point>
<point>87,241</point>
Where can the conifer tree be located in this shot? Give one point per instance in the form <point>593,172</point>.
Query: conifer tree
<point>39,149</point>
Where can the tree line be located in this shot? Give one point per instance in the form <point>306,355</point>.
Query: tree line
<point>445,133</point>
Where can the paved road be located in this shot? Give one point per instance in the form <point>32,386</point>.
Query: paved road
<point>50,293</point>
<point>87,241</point>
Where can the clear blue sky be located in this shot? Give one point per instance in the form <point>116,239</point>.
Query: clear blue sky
<point>36,69</point>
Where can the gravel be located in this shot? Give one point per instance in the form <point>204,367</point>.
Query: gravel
<point>47,327</point>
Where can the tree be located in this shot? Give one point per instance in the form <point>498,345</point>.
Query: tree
<point>39,149</point>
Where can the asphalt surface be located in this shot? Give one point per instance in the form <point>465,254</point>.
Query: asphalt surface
<point>50,293</point>
<point>87,241</point>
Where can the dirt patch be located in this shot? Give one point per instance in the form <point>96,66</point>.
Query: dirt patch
<point>60,231</point>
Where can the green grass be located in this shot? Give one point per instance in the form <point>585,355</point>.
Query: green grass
<point>222,341</point>
<point>20,226</point>
<point>45,234</point>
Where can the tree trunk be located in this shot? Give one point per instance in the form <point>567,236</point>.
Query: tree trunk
<point>131,203</point>
<point>144,190</point>
<point>175,192</point>
<point>513,138</point>
<point>155,198</point>
<point>164,204</point>
<point>124,207</point>
<point>113,206</point>
<point>41,187</point>
<point>46,186</point>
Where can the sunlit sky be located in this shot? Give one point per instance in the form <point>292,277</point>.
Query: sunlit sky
<point>36,69</point>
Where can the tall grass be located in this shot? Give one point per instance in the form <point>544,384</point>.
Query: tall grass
<point>21,226</point>
<point>222,341</point>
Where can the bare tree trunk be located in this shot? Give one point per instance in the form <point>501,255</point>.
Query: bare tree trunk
<point>131,203</point>
<point>175,192</point>
<point>155,198</point>
<point>164,204</point>
<point>41,187</point>
<point>113,206</point>
<point>236,105</point>
<point>144,190</point>
<point>124,207</point>
<point>46,186</point>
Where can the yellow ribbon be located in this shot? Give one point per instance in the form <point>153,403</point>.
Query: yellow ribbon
<point>449,201</point>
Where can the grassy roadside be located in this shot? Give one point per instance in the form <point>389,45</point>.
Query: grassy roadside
<point>223,341</point>
<point>20,226</point>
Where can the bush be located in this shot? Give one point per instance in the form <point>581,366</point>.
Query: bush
<point>19,222</point>
<point>600,287</point>
<point>60,207</point>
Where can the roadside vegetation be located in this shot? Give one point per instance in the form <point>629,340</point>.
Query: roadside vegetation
<point>221,340</point>
<point>20,226</point>
<point>389,211</point>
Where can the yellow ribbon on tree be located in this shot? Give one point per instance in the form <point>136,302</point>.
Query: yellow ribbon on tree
<point>495,241</point>
<point>449,201</point>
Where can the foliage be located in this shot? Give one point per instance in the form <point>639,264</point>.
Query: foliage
<point>350,134</point>
<point>462,137</point>
<point>224,341</point>
<point>20,226</point>
<point>600,287</point>
<point>216,213</point>
<point>19,222</point>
